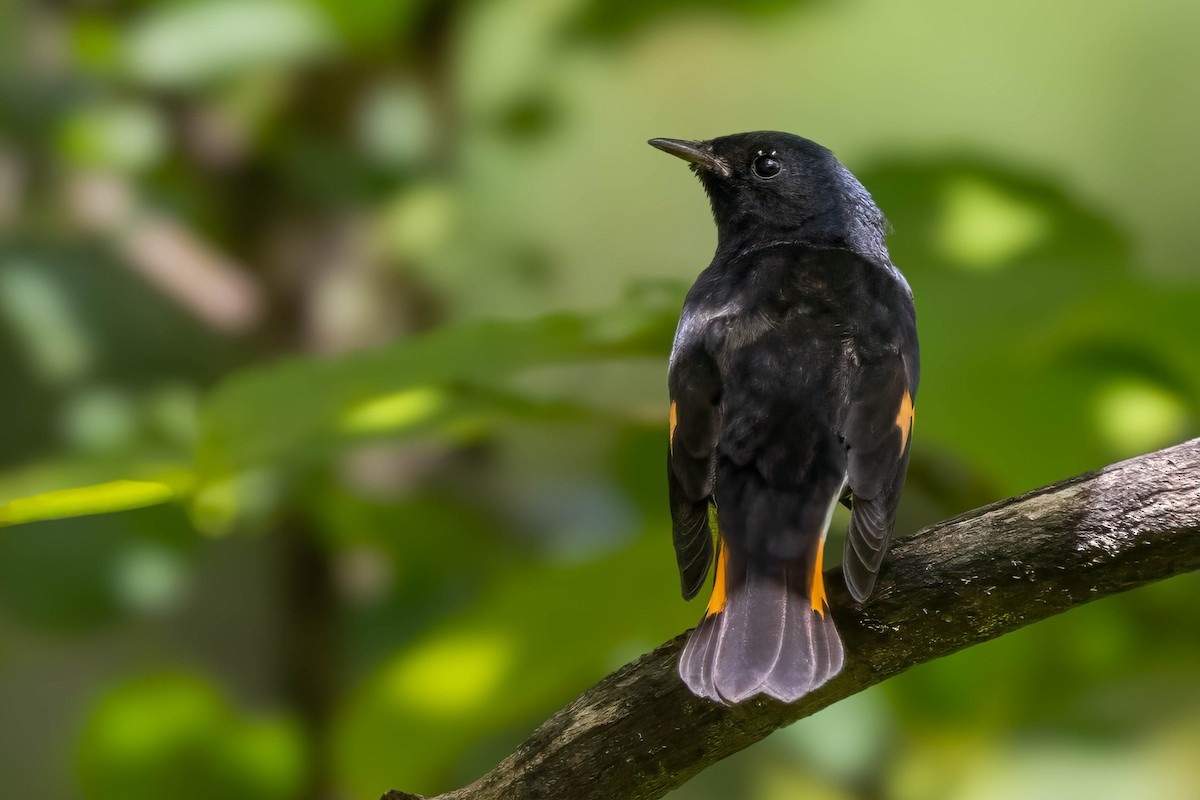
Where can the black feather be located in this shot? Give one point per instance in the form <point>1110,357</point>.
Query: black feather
<point>792,358</point>
<point>692,536</point>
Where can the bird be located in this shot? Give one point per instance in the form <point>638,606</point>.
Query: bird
<point>792,379</point>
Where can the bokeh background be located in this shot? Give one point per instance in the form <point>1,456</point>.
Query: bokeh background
<point>354,318</point>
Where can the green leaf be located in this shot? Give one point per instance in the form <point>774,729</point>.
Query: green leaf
<point>102,498</point>
<point>615,19</point>
<point>188,44</point>
<point>455,383</point>
<point>126,137</point>
<point>450,381</point>
<point>374,24</point>
<point>176,736</point>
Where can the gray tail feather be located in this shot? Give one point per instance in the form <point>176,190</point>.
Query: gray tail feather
<point>766,640</point>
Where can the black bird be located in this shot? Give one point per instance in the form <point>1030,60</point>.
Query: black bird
<point>792,380</point>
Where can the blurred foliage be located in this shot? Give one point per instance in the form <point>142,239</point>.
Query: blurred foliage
<point>335,338</point>
<point>620,18</point>
<point>145,735</point>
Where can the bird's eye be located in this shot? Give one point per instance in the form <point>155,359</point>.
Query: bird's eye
<point>766,166</point>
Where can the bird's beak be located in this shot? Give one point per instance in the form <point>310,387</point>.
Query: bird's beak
<point>699,154</point>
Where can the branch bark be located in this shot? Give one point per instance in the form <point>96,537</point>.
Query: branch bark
<point>639,733</point>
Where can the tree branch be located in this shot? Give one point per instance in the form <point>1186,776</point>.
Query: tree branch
<point>639,733</point>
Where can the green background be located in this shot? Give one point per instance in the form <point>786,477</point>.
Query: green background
<point>367,304</point>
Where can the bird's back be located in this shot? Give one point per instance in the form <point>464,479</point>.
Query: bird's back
<point>779,458</point>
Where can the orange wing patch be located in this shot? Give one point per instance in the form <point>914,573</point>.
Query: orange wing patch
<point>716,603</point>
<point>816,589</point>
<point>674,420</point>
<point>904,419</point>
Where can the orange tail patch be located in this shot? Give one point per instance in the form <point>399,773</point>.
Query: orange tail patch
<point>816,589</point>
<point>716,603</point>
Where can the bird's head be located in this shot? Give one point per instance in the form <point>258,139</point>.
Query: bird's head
<point>769,184</point>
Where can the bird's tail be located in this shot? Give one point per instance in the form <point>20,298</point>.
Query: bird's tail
<point>765,631</point>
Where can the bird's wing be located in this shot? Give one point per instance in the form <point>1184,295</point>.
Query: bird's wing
<point>695,386</point>
<point>877,435</point>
